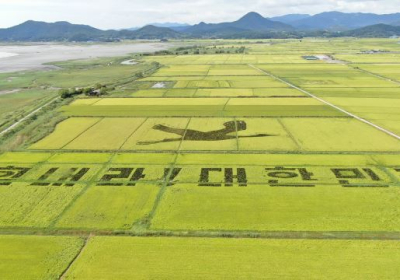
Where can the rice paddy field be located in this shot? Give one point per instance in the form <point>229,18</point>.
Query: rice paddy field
<point>262,165</point>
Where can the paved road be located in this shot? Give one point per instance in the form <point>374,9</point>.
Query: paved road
<point>26,117</point>
<point>329,104</point>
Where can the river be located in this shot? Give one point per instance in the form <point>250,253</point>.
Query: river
<point>33,56</point>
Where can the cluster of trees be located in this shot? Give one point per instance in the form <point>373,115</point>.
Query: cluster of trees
<point>197,50</point>
<point>178,51</point>
<point>229,50</point>
<point>97,90</point>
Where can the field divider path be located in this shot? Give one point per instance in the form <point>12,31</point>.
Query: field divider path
<point>83,191</point>
<point>166,181</point>
<point>183,137</point>
<point>237,135</point>
<point>225,105</point>
<point>328,103</point>
<point>289,133</point>
<point>160,194</point>
<point>27,116</point>
<point>80,134</point>
<point>86,241</point>
<point>374,74</point>
<point>126,140</point>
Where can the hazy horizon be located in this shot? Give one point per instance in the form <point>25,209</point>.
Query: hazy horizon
<point>119,14</point>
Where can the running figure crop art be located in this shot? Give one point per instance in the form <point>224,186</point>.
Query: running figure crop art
<point>196,135</point>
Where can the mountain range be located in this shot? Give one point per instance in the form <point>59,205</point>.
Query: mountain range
<point>36,31</point>
<point>250,22</point>
<point>171,25</point>
<point>289,19</point>
<point>252,25</point>
<point>343,21</point>
<point>374,31</point>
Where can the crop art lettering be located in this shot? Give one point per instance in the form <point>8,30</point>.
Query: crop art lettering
<point>211,176</point>
<point>67,178</point>
<point>229,176</point>
<point>113,174</point>
<point>345,177</point>
<point>278,175</point>
<point>10,173</point>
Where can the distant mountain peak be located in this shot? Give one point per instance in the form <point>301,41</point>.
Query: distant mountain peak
<point>155,32</point>
<point>150,26</point>
<point>63,22</point>
<point>252,15</point>
<point>251,22</point>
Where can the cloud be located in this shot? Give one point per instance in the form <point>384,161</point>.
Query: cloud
<point>115,14</point>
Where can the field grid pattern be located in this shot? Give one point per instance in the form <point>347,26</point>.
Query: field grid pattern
<point>298,160</point>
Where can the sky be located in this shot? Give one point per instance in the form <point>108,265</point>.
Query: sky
<point>118,14</point>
